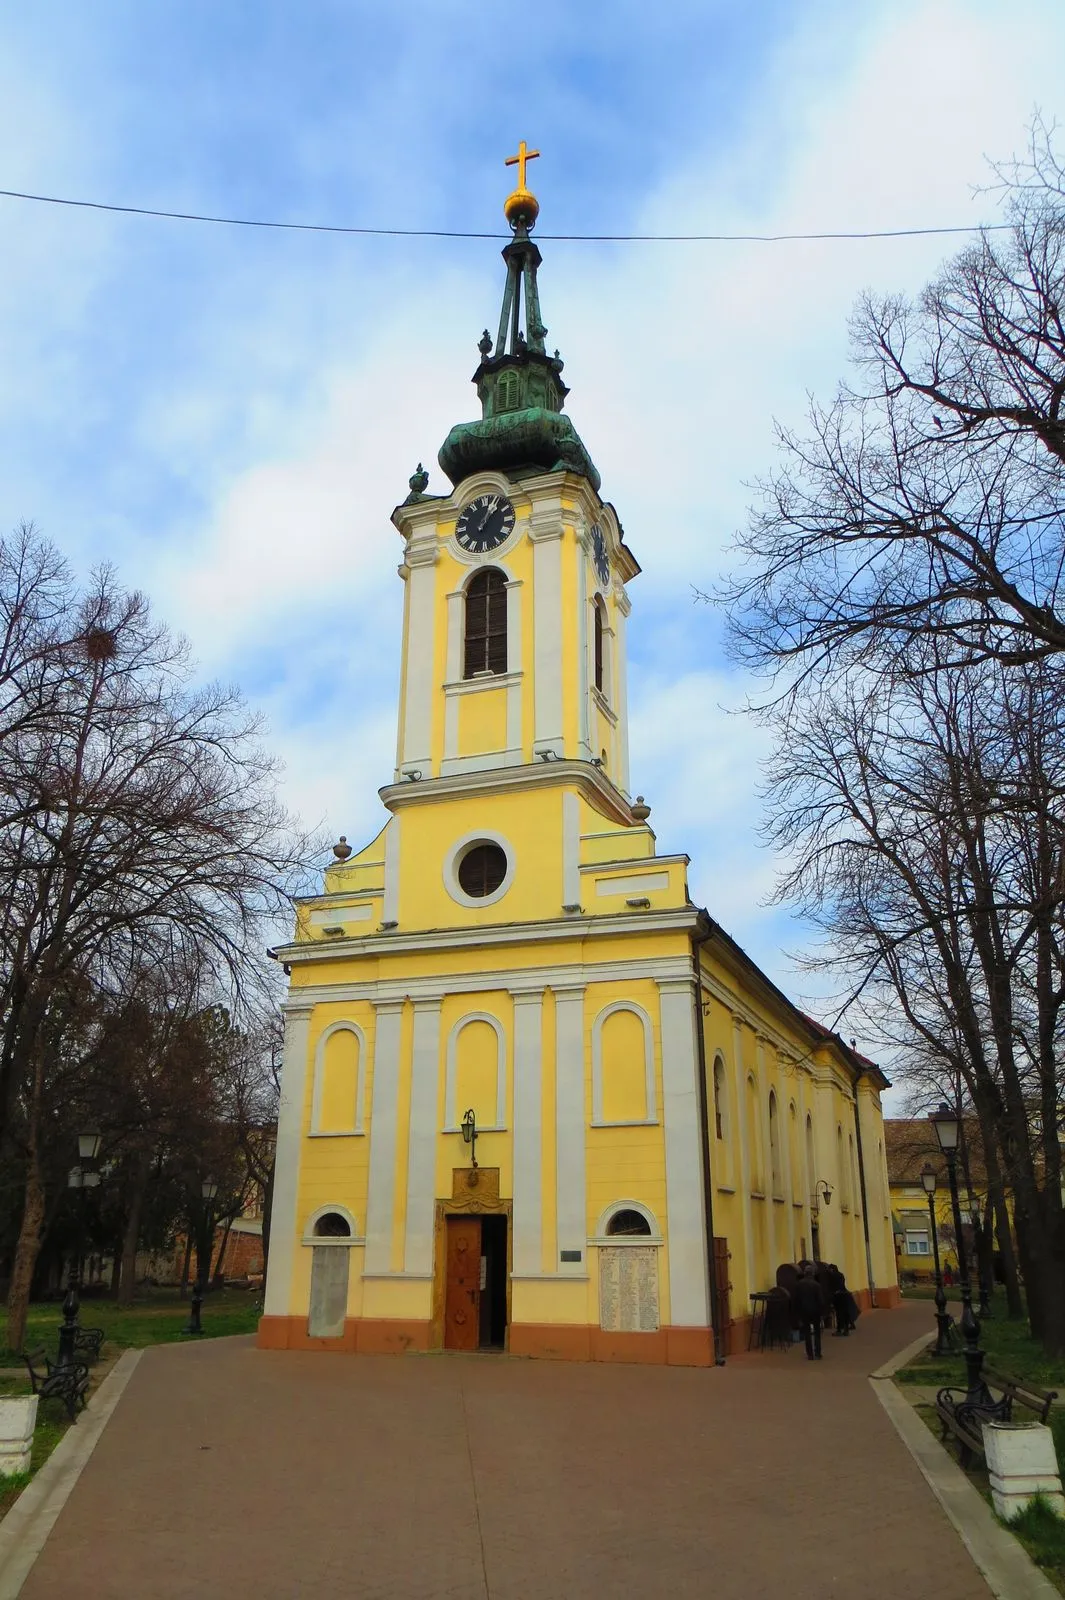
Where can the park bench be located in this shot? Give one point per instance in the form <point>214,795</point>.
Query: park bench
<point>68,1384</point>
<point>964,1418</point>
<point>87,1342</point>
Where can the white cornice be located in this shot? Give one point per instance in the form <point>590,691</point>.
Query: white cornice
<point>578,926</point>
<point>530,775</point>
<point>522,983</point>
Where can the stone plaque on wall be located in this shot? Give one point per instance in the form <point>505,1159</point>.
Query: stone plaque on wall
<point>329,1291</point>
<point>628,1289</point>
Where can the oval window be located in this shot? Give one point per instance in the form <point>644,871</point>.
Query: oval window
<point>482,870</point>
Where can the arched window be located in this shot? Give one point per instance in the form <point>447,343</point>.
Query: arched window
<point>627,1224</point>
<point>507,390</point>
<point>332,1226</point>
<point>811,1175</point>
<point>842,1171</point>
<point>720,1099</point>
<point>774,1146</point>
<point>486,624</point>
<point>599,625</point>
<point>793,1152</point>
<point>852,1176</point>
<point>754,1138</point>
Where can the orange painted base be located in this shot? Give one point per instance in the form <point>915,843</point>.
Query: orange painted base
<point>362,1336</point>
<point>673,1347</point>
<point>887,1298</point>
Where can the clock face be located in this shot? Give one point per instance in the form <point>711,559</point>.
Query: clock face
<point>599,554</point>
<point>485,523</point>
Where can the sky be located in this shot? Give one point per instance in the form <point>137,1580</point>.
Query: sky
<point>229,415</point>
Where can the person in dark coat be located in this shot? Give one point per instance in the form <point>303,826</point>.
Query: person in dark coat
<point>810,1305</point>
<point>841,1302</point>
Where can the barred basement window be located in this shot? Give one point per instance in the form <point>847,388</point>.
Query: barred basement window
<point>486,624</point>
<point>482,870</point>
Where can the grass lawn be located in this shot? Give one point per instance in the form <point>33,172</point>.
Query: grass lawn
<point>1009,1346</point>
<point>157,1316</point>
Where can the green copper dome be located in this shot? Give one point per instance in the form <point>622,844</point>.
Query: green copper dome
<point>522,430</point>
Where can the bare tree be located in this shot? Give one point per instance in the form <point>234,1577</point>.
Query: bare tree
<point>139,825</point>
<point>928,495</point>
<point>924,818</point>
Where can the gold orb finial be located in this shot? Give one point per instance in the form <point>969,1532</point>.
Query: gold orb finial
<point>522,206</point>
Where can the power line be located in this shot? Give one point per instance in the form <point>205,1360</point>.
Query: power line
<point>458,233</point>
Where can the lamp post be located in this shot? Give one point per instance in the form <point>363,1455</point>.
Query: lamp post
<point>928,1180</point>
<point>947,1125</point>
<point>469,1133</point>
<point>83,1176</point>
<point>208,1190</point>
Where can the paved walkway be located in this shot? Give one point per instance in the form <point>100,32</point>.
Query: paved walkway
<point>229,1471</point>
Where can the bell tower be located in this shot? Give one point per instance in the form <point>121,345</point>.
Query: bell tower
<point>514,624</point>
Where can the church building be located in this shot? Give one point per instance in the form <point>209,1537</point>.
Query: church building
<point>533,1098</point>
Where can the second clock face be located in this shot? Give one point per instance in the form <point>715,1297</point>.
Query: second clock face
<point>485,523</point>
<point>599,553</point>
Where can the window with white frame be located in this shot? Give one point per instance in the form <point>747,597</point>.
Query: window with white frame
<point>917,1242</point>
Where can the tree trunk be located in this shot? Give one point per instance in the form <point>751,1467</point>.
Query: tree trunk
<point>218,1276</point>
<point>26,1250</point>
<point>116,1267</point>
<point>184,1288</point>
<point>1004,1236</point>
<point>131,1238</point>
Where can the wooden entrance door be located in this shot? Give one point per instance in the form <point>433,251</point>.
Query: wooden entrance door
<point>462,1299</point>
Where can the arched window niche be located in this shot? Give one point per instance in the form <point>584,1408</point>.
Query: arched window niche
<point>627,1222</point>
<point>811,1164</point>
<point>721,1128</point>
<point>331,1231</point>
<point>601,647</point>
<point>339,1081</point>
<point>475,1074</point>
<point>623,1067</point>
<point>754,1137</point>
<point>776,1175</point>
<point>484,649</point>
<point>842,1171</point>
<point>794,1157</point>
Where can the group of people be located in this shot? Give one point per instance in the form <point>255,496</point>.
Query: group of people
<point>817,1289</point>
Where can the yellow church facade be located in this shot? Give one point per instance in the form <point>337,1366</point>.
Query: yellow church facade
<point>533,1098</point>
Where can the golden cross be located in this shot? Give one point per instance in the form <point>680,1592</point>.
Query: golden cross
<point>519,161</point>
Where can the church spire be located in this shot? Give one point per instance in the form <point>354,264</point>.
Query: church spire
<point>520,386</point>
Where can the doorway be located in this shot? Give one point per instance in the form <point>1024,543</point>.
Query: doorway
<point>475,1293</point>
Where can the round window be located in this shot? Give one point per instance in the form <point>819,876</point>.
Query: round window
<point>482,870</point>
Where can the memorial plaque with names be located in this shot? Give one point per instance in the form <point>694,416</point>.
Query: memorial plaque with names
<point>329,1291</point>
<point>628,1289</point>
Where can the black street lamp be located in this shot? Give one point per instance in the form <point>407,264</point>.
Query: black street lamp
<point>469,1133</point>
<point>208,1190</point>
<point>928,1180</point>
<point>948,1131</point>
<point>83,1176</point>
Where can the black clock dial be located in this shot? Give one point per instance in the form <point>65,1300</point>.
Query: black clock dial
<point>485,523</point>
<point>599,554</point>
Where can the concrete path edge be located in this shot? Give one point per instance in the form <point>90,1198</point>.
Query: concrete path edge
<point>1009,1571</point>
<point>33,1516</point>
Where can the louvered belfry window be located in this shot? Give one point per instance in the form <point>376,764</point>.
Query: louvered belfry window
<point>486,624</point>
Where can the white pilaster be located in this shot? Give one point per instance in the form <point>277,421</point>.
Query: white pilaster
<point>284,1231</point>
<point>418,703</point>
<point>745,1135</point>
<point>584,665</point>
<point>390,899</point>
<point>528,1132</point>
<point>514,688</point>
<point>545,534</point>
<point>689,1300</point>
<point>621,671</point>
<point>570,1119</point>
<point>421,1149</point>
<point>571,850</point>
<point>381,1196</point>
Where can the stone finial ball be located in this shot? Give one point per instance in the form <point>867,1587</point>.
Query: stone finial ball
<point>342,848</point>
